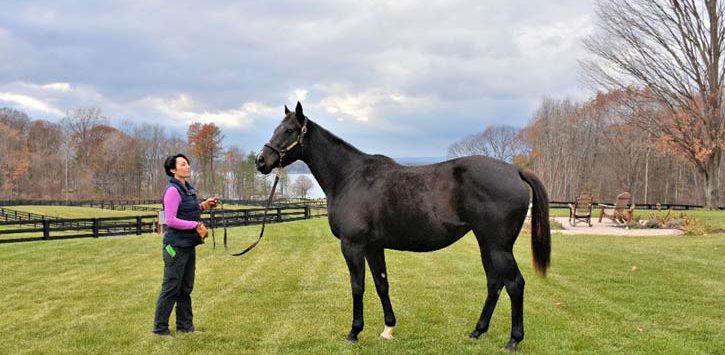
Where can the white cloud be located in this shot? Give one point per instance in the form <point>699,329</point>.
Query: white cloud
<point>62,87</point>
<point>553,38</point>
<point>184,110</point>
<point>56,98</point>
<point>29,103</point>
<point>364,106</point>
<point>298,95</point>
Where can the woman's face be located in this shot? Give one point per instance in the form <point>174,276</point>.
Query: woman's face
<point>183,169</point>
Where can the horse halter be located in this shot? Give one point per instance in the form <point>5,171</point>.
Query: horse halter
<point>282,152</point>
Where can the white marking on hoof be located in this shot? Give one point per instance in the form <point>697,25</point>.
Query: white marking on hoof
<point>387,333</point>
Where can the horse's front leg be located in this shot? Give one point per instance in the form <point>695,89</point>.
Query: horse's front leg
<point>376,260</point>
<point>354,254</point>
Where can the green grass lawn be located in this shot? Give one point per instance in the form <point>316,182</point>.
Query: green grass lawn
<point>154,205</point>
<point>292,295</point>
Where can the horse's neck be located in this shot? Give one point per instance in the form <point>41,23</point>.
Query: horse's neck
<point>330,159</point>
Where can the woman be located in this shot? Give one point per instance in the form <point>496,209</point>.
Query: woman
<point>185,231</point>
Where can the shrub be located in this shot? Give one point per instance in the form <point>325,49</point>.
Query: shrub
<point>688,224</point>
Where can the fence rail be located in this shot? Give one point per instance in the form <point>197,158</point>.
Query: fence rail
<point>136,205</point>
<point>646,206</point>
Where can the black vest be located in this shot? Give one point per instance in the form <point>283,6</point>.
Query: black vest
<point>189,210</point>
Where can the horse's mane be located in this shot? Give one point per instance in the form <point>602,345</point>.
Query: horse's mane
<point>336,140</point>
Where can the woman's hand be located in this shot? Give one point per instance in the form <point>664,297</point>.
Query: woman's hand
<point>211,202</point>
<point>201,229</point>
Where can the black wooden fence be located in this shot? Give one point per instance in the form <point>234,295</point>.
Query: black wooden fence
<point>53,228</point>
<point>644,206</point>
<point>137,205</point>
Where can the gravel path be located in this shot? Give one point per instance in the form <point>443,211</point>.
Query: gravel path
<point>609,228</point>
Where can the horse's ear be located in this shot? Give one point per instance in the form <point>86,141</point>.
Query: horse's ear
<point>298,112</point>
<point>286,110</point>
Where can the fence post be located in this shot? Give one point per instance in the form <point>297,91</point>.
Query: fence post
<point>246,217</point>
<point>307,212</point>
<point>279,214</point>
<point>138,225</point>
<point>95,227</point>
<point>46,229</point>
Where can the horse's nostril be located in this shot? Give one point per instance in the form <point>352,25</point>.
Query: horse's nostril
<point>260,160</point>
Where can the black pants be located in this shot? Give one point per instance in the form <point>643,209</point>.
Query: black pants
<point>176,288</point>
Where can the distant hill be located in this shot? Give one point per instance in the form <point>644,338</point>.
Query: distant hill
<point>419,160</point>
<point>300,167</point>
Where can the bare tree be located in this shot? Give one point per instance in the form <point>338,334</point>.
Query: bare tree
<point>670,51</point>
<point>500,142</point>
<point>302,186</point>
<point>79,124</point>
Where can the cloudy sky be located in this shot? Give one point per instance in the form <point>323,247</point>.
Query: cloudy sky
<point>400,78</point>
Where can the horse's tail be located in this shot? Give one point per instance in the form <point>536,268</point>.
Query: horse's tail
<point>540,231</point>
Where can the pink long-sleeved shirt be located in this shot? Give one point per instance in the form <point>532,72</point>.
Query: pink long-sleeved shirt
<point>172,200</point>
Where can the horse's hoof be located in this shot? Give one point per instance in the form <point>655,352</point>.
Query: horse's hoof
<point>387,333</point>
<point>511,345</point>
<point>352,339</point>
<point>475,334</point>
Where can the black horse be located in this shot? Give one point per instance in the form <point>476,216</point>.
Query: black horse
<point>374,203</point>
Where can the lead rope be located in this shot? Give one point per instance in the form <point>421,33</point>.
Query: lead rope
<point>261,233</point>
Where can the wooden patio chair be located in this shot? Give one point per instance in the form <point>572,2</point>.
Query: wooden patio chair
<point>581,209</point>
<point>621,211</point>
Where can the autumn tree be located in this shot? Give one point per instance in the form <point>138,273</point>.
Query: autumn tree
<point>44,177</point>
<point>563,146</point>
<point>205,141</point>
<point>672,52</point>
<point>15,160</point>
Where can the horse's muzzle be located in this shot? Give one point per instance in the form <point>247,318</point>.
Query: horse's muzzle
<point>265,161</point>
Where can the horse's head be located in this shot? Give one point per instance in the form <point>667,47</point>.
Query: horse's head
<point>285,146</point>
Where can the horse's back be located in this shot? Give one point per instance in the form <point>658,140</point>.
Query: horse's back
<point>490,187</point>
<point>431,206</point>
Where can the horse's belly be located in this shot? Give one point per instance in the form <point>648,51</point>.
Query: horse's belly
<point>423,241</point>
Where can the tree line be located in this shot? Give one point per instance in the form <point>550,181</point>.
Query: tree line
<point>594,146</point>
<point>83,157</point>
<point>657,126</point>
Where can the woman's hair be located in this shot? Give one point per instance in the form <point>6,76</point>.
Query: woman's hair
<point>170,163</point>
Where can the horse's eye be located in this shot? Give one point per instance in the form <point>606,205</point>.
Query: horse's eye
<point>290,130</point>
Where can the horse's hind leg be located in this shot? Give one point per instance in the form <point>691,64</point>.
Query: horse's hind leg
<point>376,260</point>
<point>515,288</point>
<point>501,270</point>
<point>494,283</point>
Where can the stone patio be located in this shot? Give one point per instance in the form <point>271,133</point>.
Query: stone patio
<point>609,228</point>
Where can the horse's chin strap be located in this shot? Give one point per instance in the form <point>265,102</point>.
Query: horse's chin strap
<point>282,152</point>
